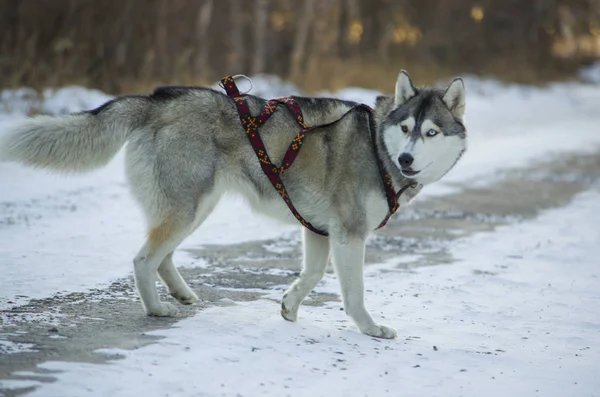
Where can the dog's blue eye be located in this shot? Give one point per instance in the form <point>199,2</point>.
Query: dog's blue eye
<point>432,133</point>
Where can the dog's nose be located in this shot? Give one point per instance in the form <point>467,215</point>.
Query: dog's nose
<point>405,160</point>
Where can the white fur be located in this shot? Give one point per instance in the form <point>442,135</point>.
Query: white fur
<point>376,210</point>
<point>395,139</point>
<point>435,156</point>
<point>316,256</point>
<point>348,259</point>
<point>348,256</point>
<point>277,208</point>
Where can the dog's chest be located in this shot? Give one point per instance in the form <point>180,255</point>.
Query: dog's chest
<point>376,209</point>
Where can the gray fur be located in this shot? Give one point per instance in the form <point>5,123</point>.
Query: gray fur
<point>186,148</point>
<point>72,143</point>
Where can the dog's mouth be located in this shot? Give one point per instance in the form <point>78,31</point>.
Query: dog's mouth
<point>409,172</point>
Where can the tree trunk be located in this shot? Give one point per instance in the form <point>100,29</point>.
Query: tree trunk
<point>204,16</point>
<point>321,44</point>
<point>126,17</point>
<point>261,13</point>
<point>302,30</point>
<point>236,56</point>
<point>161,56</point>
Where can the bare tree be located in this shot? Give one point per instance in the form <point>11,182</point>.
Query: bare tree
<point>202,24</point>
<point>261,13</point>
<point>162,39</point>
<point>236,56</point>
<point>126,17</point>
<point>323,41</point>
<point>116,44</point>
<point>303,26</point>
<point>386,19</point>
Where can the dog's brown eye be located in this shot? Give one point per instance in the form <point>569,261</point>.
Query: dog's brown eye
<point>404,129</point>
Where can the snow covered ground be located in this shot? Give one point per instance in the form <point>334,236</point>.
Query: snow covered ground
<point>517,314</point>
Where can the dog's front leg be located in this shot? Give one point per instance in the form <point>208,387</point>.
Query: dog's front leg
<point>348,259</point>
<point>316,256</point>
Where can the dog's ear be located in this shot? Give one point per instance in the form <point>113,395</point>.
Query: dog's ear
<point>454,98</point>
<point>379,100</point>
<point>404,89</point>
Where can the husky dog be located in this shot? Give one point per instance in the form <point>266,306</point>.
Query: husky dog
<point>186,148</point>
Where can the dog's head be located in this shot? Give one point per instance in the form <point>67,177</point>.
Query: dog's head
<point>421,129</point>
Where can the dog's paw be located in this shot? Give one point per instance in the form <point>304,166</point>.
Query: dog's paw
<point>381,331</point>
<point>288,312</point>
<point>185,297</point>
<point>162,310</point>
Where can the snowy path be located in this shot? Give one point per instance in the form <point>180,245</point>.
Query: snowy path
<point>516,313</point>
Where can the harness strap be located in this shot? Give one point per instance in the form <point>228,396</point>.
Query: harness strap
<point>390,195</point>
<point>251,125</point>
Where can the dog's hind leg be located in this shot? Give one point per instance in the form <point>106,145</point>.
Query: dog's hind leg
<point>161,242</point>
<point>167,271</point>
<point>316,256</point>
<point>176,285</point>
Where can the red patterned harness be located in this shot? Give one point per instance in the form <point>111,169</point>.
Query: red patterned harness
<point>251,125</point>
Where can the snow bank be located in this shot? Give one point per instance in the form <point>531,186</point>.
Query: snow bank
<point>27,101</point>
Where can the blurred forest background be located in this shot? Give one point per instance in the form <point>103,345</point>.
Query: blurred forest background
<point>132,45</point>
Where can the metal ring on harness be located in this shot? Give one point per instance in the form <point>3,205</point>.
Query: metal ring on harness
<point>222,85</point>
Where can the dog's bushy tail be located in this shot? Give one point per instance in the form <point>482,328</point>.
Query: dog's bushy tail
<point>75,142</point>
